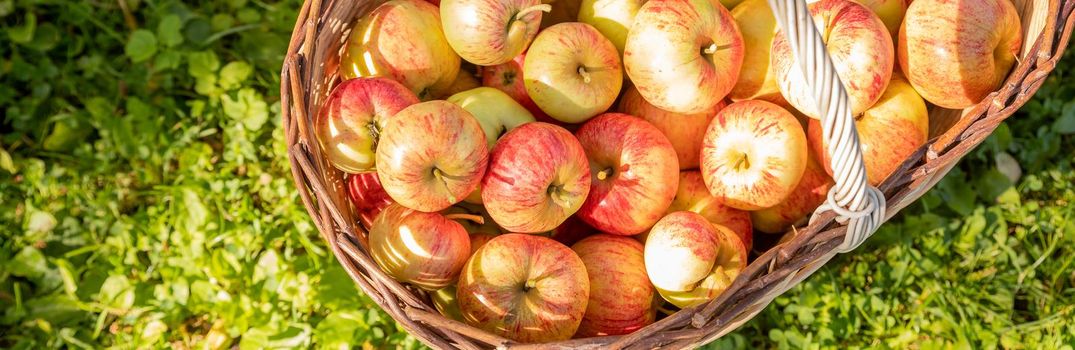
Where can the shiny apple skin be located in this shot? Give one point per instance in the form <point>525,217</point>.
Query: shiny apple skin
<point>508,77</point>
<point>613,18</point>
<point>690,260</point>
<point>758,28</point>
<point>423,249</point>
<point>527,288</point>
<point>621,296</point>
<point>538,176</point>
<point>955,52</point>
<point>861,50</point>
<point>572,72</point>
<point>432,155</point>
<point>753,155</point>
<point>810,193</point>
<point>350,121</point>
<point>402,40</point>
<point>368,197</point>
<point>497,112</point>
<point>692,195</point>
<point>665,54</point>
<point>489,32</point>
<point>684,131</point>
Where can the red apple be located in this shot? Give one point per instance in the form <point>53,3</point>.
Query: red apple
<point>352,118</point>
<point>527,288</point>
<point>488,32</point>
<point>402,40</point>
<point>572,72</point>
<point>621,296</point>
<point>508,77</point>
<point>955,52</point>
<point>693,196</point>
<point>572,230</point>
<point>633,170</point>
<point>860,48</point>
<point>753,155</point>
<point>368,197</point>
<point>431,155</point>
<point>889,132</point>
<point>424,249</point>
<point>683,56</point>
<point>690,260</point>
<point>811,192</point>
<point>538,176</point>
<point>685,131</point>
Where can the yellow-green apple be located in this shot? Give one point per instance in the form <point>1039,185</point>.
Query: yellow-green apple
<point>683,55</point>
<point>402,40</point>
<point>538,176</point>
<point>431,155</point>
<point>633,170</point>
<point>497,112</point>
<point>424,249</point>
<point>731,4</point>
<point>488,32</point>
<point>444,301</point>
<point>527,288</point>
<point>621,296</point>
<point>753,154</point>
<point>860,48</point>
<point>693,196</point>
<point>758,27</point>
<point>463,82</point>
<point>890,12</point>
<point>368,197</point>
<point>613,18</point>
<point>685,131</point>
<point>811,191</point>
<point>690,260</point>
<point>572,72</point>
<point>562,11</point>
<point>352,118</point>
<point>508,77</point>
<point>955,52</point>
<point>888,132</point>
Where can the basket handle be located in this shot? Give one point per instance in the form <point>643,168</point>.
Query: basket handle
<point>855,202</point>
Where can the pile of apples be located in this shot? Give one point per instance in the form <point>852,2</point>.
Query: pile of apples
<point>567,169</point>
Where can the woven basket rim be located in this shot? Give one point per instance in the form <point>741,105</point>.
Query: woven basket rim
<point>308,72</point>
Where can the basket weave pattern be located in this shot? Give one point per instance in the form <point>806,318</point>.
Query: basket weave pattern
<point>309,73</point>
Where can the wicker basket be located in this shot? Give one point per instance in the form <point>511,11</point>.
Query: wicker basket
<point>854,209</point>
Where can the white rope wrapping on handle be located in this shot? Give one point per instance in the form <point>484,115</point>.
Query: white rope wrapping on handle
<point>856,203</point>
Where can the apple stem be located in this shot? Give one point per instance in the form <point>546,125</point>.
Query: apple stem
<point>460,216</point>
<point>742,162</point>
<point>440,176</point>
<point>585,75</point>
<point>713,48</point>
<point>603,174</point>
<point>541,7</point>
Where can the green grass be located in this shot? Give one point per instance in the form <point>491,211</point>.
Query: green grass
<point>146,201</point>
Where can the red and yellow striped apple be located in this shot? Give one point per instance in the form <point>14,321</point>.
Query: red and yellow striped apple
<point>621,296</point>
<point>693,196</point>
<point>367,196</point>
<point>352,118</point>
<point>685,131</point>
<point>811,192</point>
<point>861,50</point>
<point>683,55</point>
<point>402,40</point>
<point>488,32</point>
<point>753,154</point>
<point>890,12</point>
<point>527,288</point>
<point>508,77</point>
<point>431,155</point>
<point>424,249</point>
<point>572,72</point>
<point>633,170</point>
<point>690,260</point>
<point>538,176</point>
<point>955,52</point>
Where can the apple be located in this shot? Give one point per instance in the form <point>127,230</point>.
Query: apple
<point>508,77</point>
<point>484,226</point>
<point>562,11</point>
<point>621,296</point>
<point>693,196</point>
<point>538,176</point>
<point>690,260</point>
<point>811,191</point>
<point>889,132</point>
<point>683,55</point>
<point>463,82</point>
<point>613,18</point>
<point>352,117</point>
<point>890,12</point>
<point>955,52</point>
<point>758,27</point>
<point>633,170</point>
<point>427,250</point>
<point>753,155</point>
<point>860,48</point>
<point>731,4</point>
<point>431,155</point>
<point>445,303</point>
<point>572,72</point>
<point>488,32</point>
<point>402,40</point>
<point>495,111</point>
<point>685,131</point>
<point>368,197</point>
<point>571,231</point>
<point>527,288</point>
